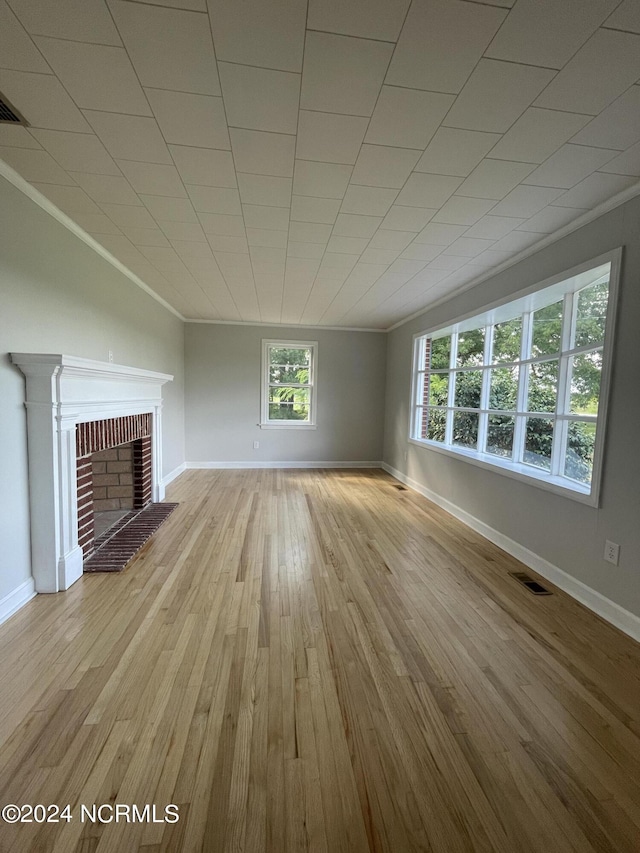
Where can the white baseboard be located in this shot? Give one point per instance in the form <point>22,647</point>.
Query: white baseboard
<point>595,601</point>
<point>171,476</point>
<point>16,599</point>
<point>284,464</point>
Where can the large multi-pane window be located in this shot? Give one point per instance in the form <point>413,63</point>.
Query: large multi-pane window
<point>288,383</point>
<point>521,386</point>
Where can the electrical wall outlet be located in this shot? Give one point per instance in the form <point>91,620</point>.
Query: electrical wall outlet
<point>611,552</point>
<point>256,445</point>
<point>111,355</point>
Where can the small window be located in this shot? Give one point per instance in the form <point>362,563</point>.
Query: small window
<point>289,384</point>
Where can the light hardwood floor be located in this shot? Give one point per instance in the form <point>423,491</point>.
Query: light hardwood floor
<point>324,661</point>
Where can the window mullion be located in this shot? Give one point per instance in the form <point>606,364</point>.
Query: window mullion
<point>564,382</point>
<point>523,388</point>
<point>484,393</point>
<point>448,434</point>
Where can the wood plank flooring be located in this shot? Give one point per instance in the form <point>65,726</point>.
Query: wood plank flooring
<point>319,661</point>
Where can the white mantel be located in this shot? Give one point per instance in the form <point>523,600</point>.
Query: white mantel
<point>63,391</point>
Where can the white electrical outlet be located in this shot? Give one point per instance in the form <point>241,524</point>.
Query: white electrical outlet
<point>611,552</point>
<point>256,445</point>
<point>111,355</point>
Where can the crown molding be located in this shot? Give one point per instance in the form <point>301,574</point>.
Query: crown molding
<point>49,207</point>
<point>285,325</point>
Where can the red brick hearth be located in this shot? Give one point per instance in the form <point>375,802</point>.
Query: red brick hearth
<point>114,469</point>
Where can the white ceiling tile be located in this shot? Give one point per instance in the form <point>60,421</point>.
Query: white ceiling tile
<point>129,216</point>
<point>264,189</point>
<point>310,232</point>
<point>551,219</point>
<point>16,136</point>
<point>616,127</point>
<point>263,153</point>
<point>599,73</point>
<point>347,245</point>
<point>595,189</point>
<point>17,50</point>
<point>153,178</point>
<point>260,99</point>
<point>494,178</point>
<point>569,165</point>
<point>69,200</point>
<point>262,237</point>
<point>96,223</point>
<point>379,256</point>
<point>537,134</point>
<point>97,77</point>
<point>441,43</point>
<point>401,218</point>
<point>78,20</point>
<point>460,210</point>
<point>406,267</point>
<point>342,74</point>
<point>406,118</point>
<point>35,165</point>
<point>206,166</point>
<point>323,180</point>
<point>42,100</point>
<point>261,216</point>
<point>107,189</point>
<point>468,247</point>
<point>494,227</point>
<point>447,262</point>
<point>421,252</point>
<point>424,190</point>
<point>145,236</point>
<point>304,250</point>
<point>187,119</point>
<point>79,151</point>
<point>222,224</point>
<point>329,137</point>
<point>235,245</point>
<point>439,234</point>
<point>548,32</point>
<point>225,200</point>
<point>382,166</point>
<point>333,260</point>
<point>625,164</point>
<point>625,17</point>
<point>372,201</point>
<point>183,231</point>
<point>356,225</point>
<point>515,242</point>
<point>526,201</point>
<point>264,35</point>
<point>309,209</point>
<point>130,137</point>
<point>456,152</point>
<point>375,19</point>
<point>169,48</point>
<point>268,255</point>
<point>396,240</point>
<point>170,209</point>
<point>496,94</point>
<point>233,263</point>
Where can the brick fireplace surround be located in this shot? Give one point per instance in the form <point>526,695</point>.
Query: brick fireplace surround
<point>101,437</point>
<point>76,406</point>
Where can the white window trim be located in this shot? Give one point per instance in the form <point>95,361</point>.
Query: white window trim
<point>519,471</point>
<point>265,423</point>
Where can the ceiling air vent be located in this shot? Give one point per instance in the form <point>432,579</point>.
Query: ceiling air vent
<point>9,114</point>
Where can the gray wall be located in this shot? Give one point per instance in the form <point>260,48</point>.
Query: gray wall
<point>58,295</point>
<point>222,396</point>
<point>564,532</point>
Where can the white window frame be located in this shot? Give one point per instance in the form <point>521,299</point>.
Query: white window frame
<point>551,481</point>
<point>265,422</point>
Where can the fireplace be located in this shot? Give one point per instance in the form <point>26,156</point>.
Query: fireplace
<point>76,408</point>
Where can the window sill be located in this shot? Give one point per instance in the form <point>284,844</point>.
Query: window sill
<point>524,473</point>
<point>285,425</point>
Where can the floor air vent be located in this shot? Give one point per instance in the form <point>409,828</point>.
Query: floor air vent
<point>9,114</point>
<point>401,488</point>
<point>531,584</point>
